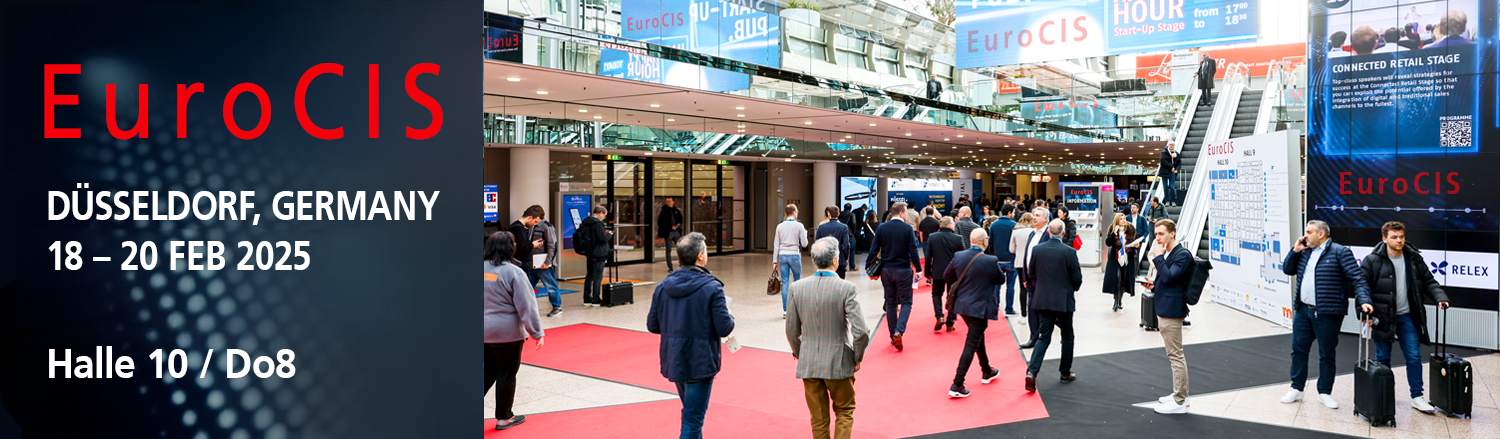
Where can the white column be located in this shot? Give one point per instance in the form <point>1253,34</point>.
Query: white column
<point>528,180</point>
<point>966,174</point>
<point>825,188</point>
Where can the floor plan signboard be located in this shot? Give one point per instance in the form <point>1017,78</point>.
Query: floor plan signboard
<point>1252,222</point>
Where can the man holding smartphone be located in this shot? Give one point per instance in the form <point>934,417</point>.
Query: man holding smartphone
<point>1174,270</point>
<point>1326,271</point>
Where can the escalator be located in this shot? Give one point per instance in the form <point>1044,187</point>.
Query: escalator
<point>1197,132</point>
<point>1245,114</point>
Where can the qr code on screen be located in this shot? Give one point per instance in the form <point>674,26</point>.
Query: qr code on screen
<point>1455,133</point>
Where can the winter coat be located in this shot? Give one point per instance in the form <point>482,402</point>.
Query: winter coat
<point>688,309</point>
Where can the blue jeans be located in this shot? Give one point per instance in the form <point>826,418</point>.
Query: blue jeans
<point>1009,270</point>
<point>1308,326</point>
<point>1406,333</point>
<point>897,283</point>
<point>694,396</point>
<point>1169,183</point>
<point>791,271</point>
<point>549,284</point>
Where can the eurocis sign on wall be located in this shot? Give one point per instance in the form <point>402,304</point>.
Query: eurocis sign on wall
<point>1005,32</point>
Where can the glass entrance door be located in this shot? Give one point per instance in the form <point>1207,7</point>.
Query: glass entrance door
<point>621,186</point>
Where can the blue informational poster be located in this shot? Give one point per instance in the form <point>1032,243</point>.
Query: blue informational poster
<point>857,192</point>
<point>747,30</point>
<point>491,203</point>
<point>1007,32</point>
<point>918,194</point>
<point>575,207</point>
<point>1403,125</point>
<point>1123,194</point>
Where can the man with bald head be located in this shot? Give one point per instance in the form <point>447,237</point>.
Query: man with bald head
<point>1055,274</point>
<point>964,223</point>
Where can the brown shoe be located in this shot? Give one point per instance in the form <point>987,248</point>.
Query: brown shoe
<point>1030,383</point>
<point>896,341</point>
<point>950,328</point>
<point>1068,378</point>
<point>938,326</point>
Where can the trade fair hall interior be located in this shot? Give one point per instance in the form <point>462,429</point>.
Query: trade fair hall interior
<point>747,219</point>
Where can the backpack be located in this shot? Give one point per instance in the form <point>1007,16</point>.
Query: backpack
<point>583,242</point>
<point>1199,278</point>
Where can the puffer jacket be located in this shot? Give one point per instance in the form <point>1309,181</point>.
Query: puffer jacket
<point>603,243</point>
<point>1338,278</point>
<point>689,311</point>
<point>1380,274</point>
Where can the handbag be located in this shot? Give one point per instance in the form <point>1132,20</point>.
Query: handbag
<point>1077,242</point>
<point>872,268</point>
<point>773,286</point>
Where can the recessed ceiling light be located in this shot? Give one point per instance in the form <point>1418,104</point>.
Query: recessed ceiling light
<point>598,117</point>
<point>887,141</point>
<point>739,108</point>
<point>978,143</point>
<point>541,92</point>
<point>946,139</point>
<point>648,153</point>
<point>807,123</point>
<point>583,111</point>
<point>872,124</point>
<point>655,105</point>
<point>908,134</point>
<point>739,115</point>
<point>671,120</point>
<point>960,135</point>
<point>513,79</point>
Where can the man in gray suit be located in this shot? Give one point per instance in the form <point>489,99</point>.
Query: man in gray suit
<point>820,315</point>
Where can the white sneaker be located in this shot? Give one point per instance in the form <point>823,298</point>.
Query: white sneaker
<point>1171,408</point>
<point>1327,400</point>
<point>1170,400</point>
<point>1420,403</point>
<point>1291,396</point>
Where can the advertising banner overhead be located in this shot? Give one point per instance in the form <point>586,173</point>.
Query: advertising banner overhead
<point>1005,32</point>
<point>921,193</point>
<point>1068,112</point>
<point>1157,68</point>
<point>747,30</point>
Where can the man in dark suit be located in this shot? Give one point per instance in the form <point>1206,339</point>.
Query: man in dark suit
<point>941,246</point>
<point>975,278</point>
<point>1000,232</point>
<point>895,245</point>
<point>1326,273</point>
<point>1174,270</point>
<point>831,227</point>
<point>1167,170</point>
<point>929,224</point>
<point>1055,271</point>
<point>669,227</point>
<point>1207,68</point>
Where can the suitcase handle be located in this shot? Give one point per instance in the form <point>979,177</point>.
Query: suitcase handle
<point>1364,337</point>
<point>1442,321</point>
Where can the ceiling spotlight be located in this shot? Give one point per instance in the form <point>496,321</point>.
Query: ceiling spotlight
<point>598,117</point>
<point>648,153</point>
<point>671,120</point>
<point>872,124</point>
<point>960,135</point>
<point>541,92</point>
<point>946,139</point>
<point>513,79</point>
<point>908,134</point>
<point>583,111</point>
<point>807,123</point>
<point>739,108</point>
<point>887,141</point>
<point>978,143</point>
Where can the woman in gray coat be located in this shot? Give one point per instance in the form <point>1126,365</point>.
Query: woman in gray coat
<point>510,317</point>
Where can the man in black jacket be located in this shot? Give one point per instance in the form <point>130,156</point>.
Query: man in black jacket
<point>975,278</point>
<point>1207,68</point>
<point>521,232</point>
<point>929,225</point>
<point>1398,279</point>
<point>941,246</point>
<point>597,254</point>
<point>895,245</point>
<point>1055,271</point>
<point>669,227</point>
<point>1166,171</point>
<point>831,227</point>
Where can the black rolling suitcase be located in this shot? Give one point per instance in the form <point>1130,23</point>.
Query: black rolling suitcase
<point>1451,377</point>
<point>616,292</point>
<point>1148,311</point>
<point>1374,386</point>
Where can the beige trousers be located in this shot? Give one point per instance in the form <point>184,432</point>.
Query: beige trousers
<point>1171,336</point>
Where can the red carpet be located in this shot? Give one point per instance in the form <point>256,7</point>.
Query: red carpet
<point>900,394</point>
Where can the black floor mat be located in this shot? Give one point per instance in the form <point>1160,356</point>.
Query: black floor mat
<point>1099,404</point>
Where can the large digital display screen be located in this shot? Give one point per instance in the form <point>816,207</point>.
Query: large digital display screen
<point>1006,32</point>
<point>857,192</point>
<point>747,30</point>
<point>918,193</point>
<point>1403,125</point>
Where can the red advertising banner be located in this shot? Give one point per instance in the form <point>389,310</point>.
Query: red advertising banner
<point>1155,68</point>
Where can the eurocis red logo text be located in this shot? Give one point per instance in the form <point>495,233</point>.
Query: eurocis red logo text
<point>1065,104</point>
<point>51,99</point>
<point>506,42</point>
<point>1422,183</point>
<point>664,21</point>
<point>1049,33</point>
<point>1222,148</point>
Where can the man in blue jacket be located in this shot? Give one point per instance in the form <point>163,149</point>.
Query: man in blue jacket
<point>895,245</point>
<point>1326,273</point>
<point>999,247</point>
<point>832,227</point>
<point>1174,270</point>
<point>975,278</point>
<point>689,310</point>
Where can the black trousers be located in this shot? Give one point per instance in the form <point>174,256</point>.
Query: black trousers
<point>501,362</point>
<point>973,344</point>
<point>1032,320</point>
<point>939,288</point>
<point>1062,321</point>
<point>592,289</point>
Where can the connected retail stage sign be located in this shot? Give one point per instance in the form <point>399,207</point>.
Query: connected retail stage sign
<point>1251,224</point>
<point>1006,32</point>
<point>743,30</point>
<point>1403,126</point>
